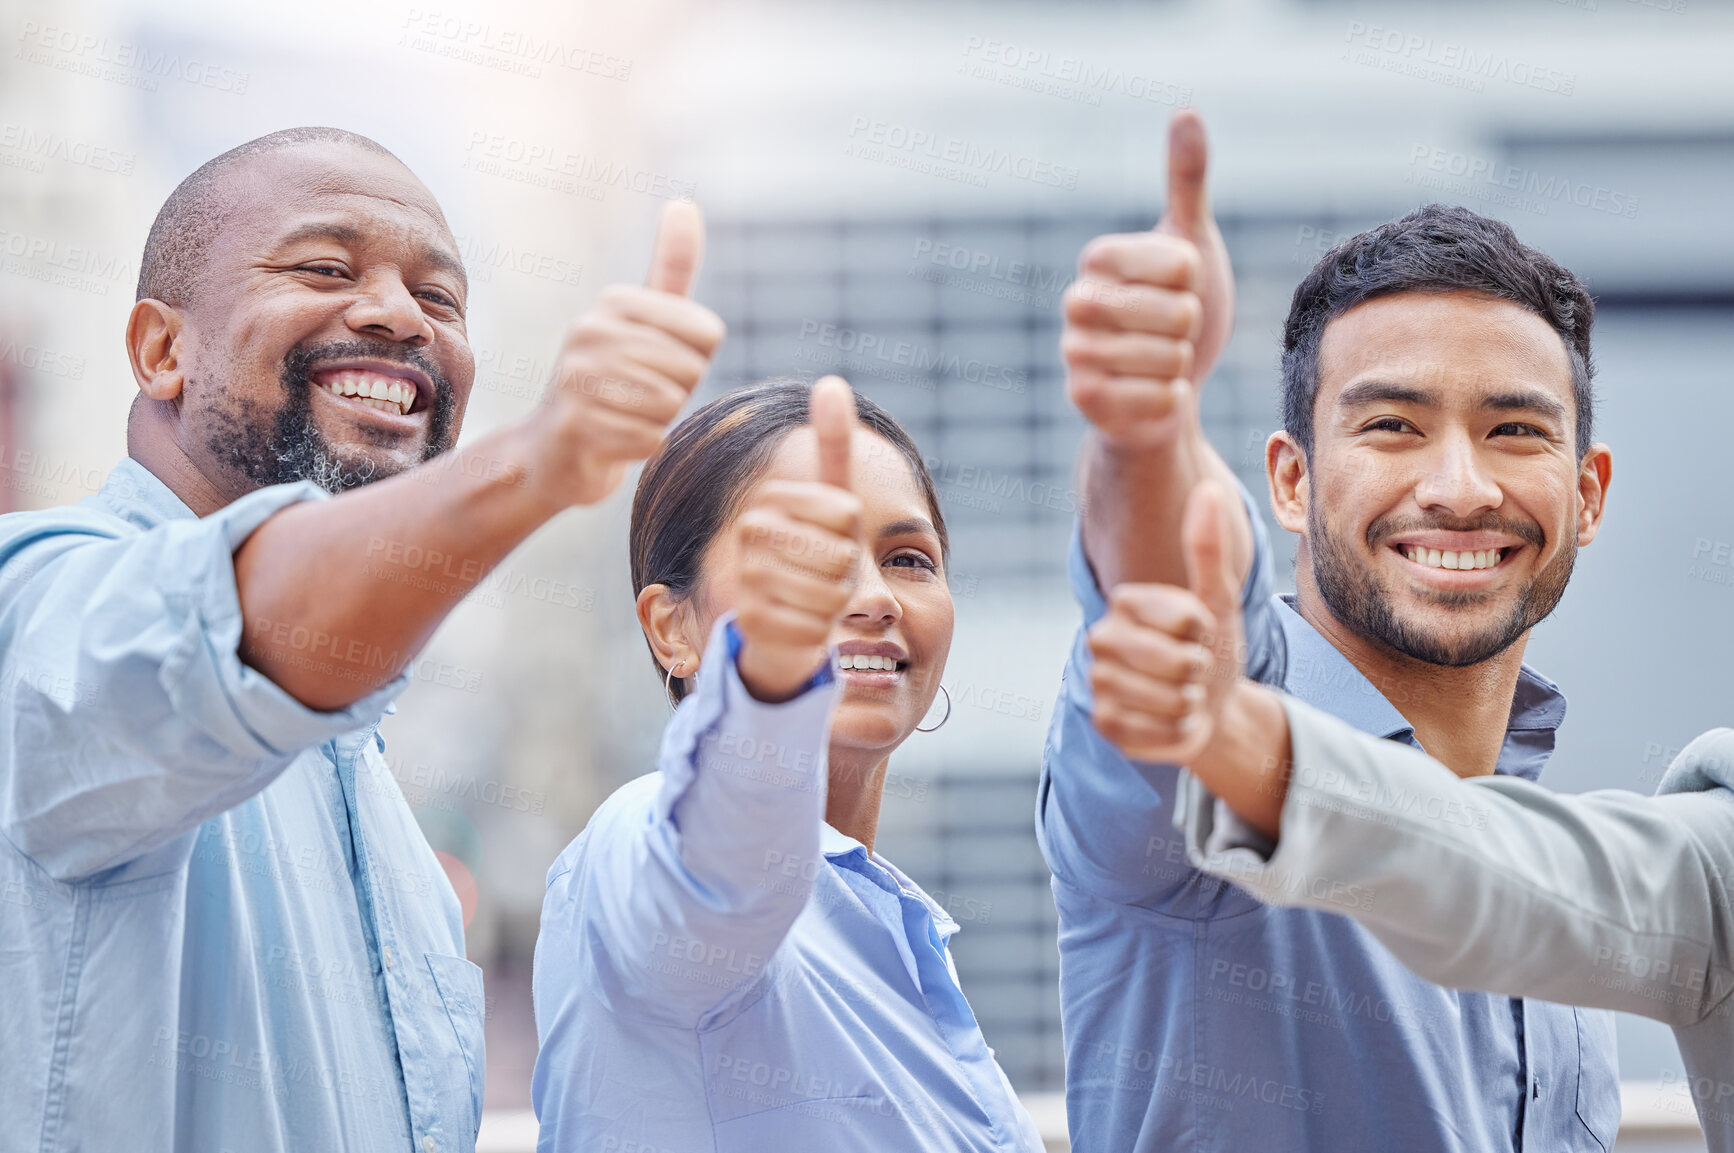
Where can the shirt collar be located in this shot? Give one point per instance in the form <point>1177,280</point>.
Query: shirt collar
<point>839,847</point>
<point>1319,674</point>
<point>134,493</point>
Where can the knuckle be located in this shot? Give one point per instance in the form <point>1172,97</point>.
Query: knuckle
<point>1077,346</point>
<point>1099,251</point>
<point>620,297</point>
<point>1191,312</point>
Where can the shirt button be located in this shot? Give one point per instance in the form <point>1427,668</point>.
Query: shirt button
<point>427,1144</point>
<point>388,962</point>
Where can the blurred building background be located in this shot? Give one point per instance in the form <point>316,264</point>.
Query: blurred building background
<point>898,192</point>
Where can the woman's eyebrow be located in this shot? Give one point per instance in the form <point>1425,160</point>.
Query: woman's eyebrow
<point>908,525</point>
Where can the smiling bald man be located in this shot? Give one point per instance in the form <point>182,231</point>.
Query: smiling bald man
<point>220,928</point>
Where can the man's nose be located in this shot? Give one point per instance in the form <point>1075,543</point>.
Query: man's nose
<point>384,307</point>
<point>1457,479</point>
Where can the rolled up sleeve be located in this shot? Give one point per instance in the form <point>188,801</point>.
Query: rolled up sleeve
<point>127,716</point>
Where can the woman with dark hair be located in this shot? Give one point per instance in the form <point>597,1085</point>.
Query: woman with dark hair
<point>725,963</point>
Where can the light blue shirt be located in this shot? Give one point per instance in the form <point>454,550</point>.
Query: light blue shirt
<point>721,971</point>
<point>220,928</point>
<point>1197,1018</point>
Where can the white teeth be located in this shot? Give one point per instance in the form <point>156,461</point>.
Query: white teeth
<point>1435,558</point>
<point>864,661</point>
<point>393,394</point>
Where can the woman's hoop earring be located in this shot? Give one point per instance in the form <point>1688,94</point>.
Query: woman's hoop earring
<point>943,719</point>
<point>668,682</point>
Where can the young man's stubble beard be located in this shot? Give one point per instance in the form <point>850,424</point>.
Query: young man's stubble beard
<point>1355,597</point>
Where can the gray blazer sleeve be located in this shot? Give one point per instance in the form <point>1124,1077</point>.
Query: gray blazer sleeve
<point>1607,899</point>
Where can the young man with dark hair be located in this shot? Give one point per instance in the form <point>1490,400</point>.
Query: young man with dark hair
<point>222,927</point>
<point>1436,465</point>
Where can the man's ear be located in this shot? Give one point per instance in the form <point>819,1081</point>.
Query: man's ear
<point>1285,467</point>
<point>1593,477</point>
<point>667,623</point>
<point>154,349</point>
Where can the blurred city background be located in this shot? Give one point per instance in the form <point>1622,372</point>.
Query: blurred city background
<point>898,192</point>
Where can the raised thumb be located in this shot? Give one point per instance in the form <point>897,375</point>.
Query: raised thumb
<point>1204,545</point>
<point>679,248</point>
<point>1188,211</point>
<point>831,411</point>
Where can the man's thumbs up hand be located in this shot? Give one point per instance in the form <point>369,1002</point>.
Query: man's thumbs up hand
<point>1150,312</point>
<point>1188,216</point>
<point>797,547</point>
<point>626,369</point>
<point>1165,658</point>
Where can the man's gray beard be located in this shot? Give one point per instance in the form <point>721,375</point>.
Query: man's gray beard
<point>287,446</point>
<point>1348,589</point>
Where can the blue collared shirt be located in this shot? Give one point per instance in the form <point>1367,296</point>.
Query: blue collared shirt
<point>719,971</point>
<point>220,928</point>
<point>1198,1018</point>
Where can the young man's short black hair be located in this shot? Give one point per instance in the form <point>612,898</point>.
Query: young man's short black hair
<point>1437,248</point>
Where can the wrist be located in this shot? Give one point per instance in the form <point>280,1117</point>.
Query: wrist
<point>775,674</point>
<point>553,454</point>
<point>1247,762</point>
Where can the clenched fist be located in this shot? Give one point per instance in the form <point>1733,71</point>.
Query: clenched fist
<point>1150,312</point>
<point>627,367</point>
<point>800,545</point>
<point>1166,658</point>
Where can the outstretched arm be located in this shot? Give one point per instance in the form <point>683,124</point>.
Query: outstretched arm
<point>1146,321</point>
<point>1624,901</point>
<point>678,909</point>
<point>340,595</point>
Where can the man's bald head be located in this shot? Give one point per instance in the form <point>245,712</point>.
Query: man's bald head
<point>195,212</point>
<point>279,281</point>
